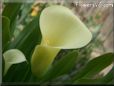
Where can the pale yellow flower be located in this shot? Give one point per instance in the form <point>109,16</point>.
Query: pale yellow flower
<point>61,29</point>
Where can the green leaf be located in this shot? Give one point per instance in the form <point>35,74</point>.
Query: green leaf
<point>63,66</point>
<point>12,56</point>
<point>111,82</point>
<point>11,11</point>
<point>28,38</point>
<point>107,79</point>
<point>5,30</point>
<point>25,41</point>
<point>88,81</point>
<point>16,73</point>
<point>94,66</point>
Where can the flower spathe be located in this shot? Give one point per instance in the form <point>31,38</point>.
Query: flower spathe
<point>12,56</point>
<point>61,29</point>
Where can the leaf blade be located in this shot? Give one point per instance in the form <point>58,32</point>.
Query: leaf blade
<point>64,65</point>
<point>94,66</point>
<point>5,30</point>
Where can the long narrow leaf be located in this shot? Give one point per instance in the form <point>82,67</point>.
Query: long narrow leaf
<point>5,30</point>
<point>28,38</point>
<point>63,66</point>
<point>107,79</point>
<point>25,42</point>
<point>11,11</point>
<point>94,66</point>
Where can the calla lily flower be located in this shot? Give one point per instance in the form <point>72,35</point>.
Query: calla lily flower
<point>12,56</point>
<point>61,29</point>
